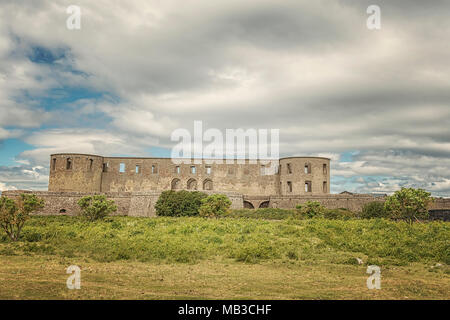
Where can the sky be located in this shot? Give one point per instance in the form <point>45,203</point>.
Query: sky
<point>377,102</point>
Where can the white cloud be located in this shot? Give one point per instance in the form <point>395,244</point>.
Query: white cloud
<point>3,187</point>
<point>311,69</point>
<point>82,140</point>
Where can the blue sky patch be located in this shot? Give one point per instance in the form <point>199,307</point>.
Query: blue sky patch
<point>43,55</point>
<point>10,148</point>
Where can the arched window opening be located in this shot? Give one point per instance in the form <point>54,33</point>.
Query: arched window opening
<point>175,184</point>
<point>264,204</point>
<point>248,205</point>
<point>207,184</point>
<point>192,184</point>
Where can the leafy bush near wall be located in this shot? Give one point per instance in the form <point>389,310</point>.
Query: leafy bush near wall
<point>215,205</point>
<point>311,209</point>
<point>179,203</point>
<point>96,207</point>
<point>408,204</point>
<point>374,209</point>
<point>339,214</point>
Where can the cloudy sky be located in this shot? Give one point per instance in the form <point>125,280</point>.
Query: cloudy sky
<point>376,101</point>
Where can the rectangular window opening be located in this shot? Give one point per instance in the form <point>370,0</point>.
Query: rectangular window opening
<point>193,169</point>
<point>308,186</point>
<point>307,168</point>
<point>54,164</point>
<point>138,168</point>
<point>105,167</point>
<point>154,169</point>
<point>69,164</point>
<point>208,170</point>
<point>122,167</point>
<point>289,169</point>
<point>289,186</point>
<point>325,188</point>
<point>325,169</point>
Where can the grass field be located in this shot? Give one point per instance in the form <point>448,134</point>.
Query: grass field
<point>230,258</point>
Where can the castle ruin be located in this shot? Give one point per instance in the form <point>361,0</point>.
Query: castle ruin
<point>136,183</point>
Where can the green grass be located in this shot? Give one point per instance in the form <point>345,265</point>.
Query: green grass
<point>282,214</point>
<point>189,240</point>
<point>265,213</point>
<point>244,249</point>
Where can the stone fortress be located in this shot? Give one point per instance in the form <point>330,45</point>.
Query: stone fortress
<point>136,183</point>
<point>90,173</point>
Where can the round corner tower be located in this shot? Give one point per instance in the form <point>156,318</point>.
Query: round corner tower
<point>70,172</point>
<point>304,176</point>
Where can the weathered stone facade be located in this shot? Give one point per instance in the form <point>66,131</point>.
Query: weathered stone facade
<point>91,173</point>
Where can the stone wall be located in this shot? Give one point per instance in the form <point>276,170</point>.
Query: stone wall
<point>142,204</point>
<point>137,204</point>
<point>353,202</point>
<point>440,204</point>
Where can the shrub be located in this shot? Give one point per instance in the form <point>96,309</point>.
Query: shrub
<point>311,209</point>
<point>339,214</point>
<point>14,213</point>
<point>408,204</point>
<point>96,207</point>
<point>215,205</point>
<point>374,209</point>
<point>179,203</point>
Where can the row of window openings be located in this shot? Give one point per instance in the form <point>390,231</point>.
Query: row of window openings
<point>155,169</point>
<point>193,169</point>
<point>307,169</point>
<point>308,186</point>
<point>69,164</point>
<point>192,184</point>
<point>178,169</point>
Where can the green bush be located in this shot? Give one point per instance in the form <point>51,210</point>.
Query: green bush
<point>374,209</point>
<point>14,213</point>
<point>311,209</point>
<point>215,205</point>
<point>179,203</point>
<point>96,207</point>
<point>408,204</point>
